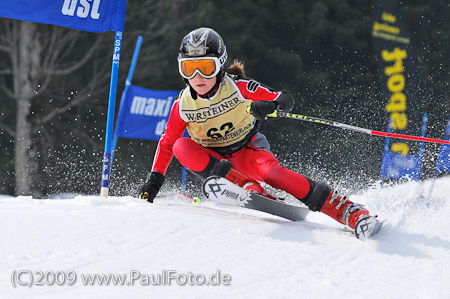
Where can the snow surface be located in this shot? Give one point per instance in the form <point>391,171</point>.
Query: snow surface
<point>266,256</point>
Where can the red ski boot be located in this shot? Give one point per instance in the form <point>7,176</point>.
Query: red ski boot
<point>352,214</point>
<point>343,210</point>
<point>322,198</point>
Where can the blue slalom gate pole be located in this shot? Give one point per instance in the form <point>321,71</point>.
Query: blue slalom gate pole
<point>183,179</point>
<point>385,150</point>
<point>106,170</point>
<point>137,48</point>
<point>422,144</point>
<point>421,151</point>
<point>446,136</point>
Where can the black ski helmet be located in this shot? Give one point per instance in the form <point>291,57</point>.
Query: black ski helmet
<point>204,42</point>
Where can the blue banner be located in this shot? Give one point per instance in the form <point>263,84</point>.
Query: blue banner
<point>86,15</point>
<point>143,112</point>
<point>397,72</point>
<point>443,162</point>
<point>397,166</point>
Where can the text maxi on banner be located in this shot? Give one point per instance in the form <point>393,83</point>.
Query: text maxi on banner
<point>143,112</point>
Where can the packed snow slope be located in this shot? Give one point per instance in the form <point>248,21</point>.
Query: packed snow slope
<point>264,256</point>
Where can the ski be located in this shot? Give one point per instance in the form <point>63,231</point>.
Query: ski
<point>221,190</point>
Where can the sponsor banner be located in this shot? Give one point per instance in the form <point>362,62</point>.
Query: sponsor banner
<point>396,166</point>
<point>443,162</point>
<point>397,69</point>
<point>144,113</point>
<point>86,15</point>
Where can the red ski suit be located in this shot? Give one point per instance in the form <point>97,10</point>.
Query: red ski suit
<point>253,158</point>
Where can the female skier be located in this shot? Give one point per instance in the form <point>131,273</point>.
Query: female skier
<point>224,136</point>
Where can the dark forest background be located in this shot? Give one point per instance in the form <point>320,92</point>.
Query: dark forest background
<point>319,50</point>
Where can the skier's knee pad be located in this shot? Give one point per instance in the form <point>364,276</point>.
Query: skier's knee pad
<point>316,196</point>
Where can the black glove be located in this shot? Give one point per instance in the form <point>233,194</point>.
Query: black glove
<point>151,187</point>
<point>260,109</point>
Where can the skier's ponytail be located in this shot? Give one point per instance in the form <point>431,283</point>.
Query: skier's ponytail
<point>237,68</point>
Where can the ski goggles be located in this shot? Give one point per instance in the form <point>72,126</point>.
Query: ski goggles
<point>207,67</point>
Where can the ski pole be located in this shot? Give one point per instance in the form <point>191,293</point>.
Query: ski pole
<point>353,128</point>
<point>195,200</point>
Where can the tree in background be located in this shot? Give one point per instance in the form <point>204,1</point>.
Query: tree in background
<point>39,55</point>
<point>55,77</point>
